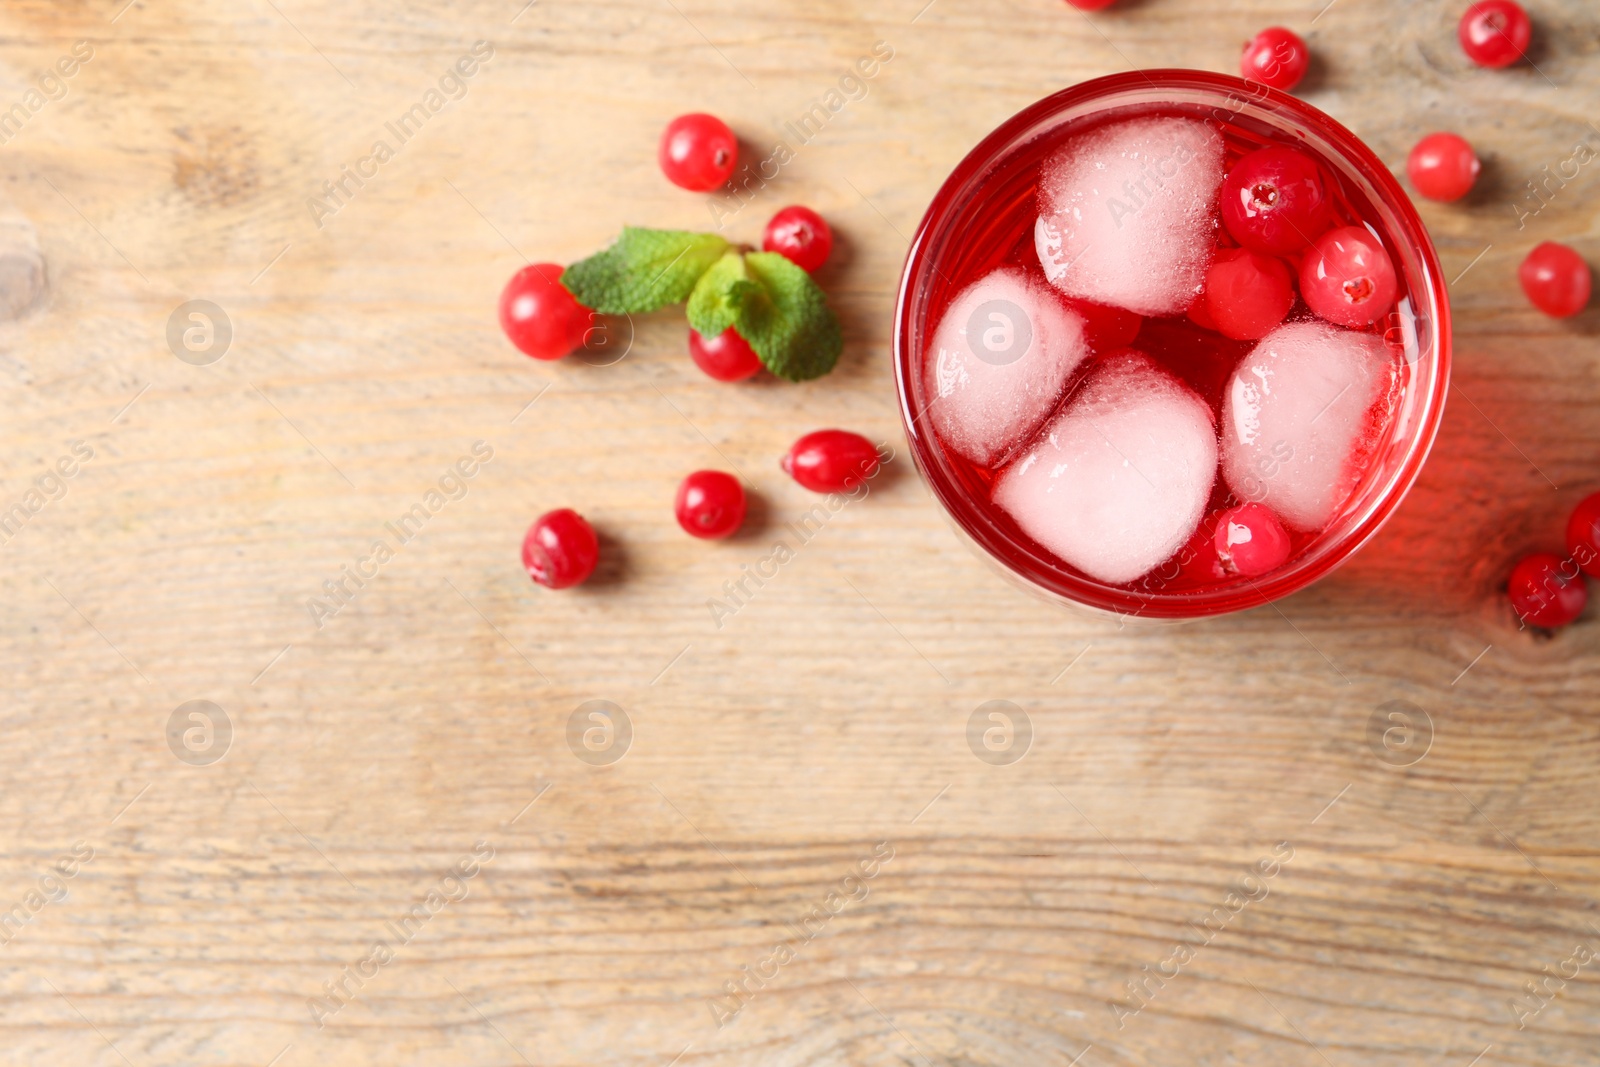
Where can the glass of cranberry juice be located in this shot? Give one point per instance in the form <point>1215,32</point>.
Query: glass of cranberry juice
<point>1171,344</point>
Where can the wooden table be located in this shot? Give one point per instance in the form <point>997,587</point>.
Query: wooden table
<point>401,773</point>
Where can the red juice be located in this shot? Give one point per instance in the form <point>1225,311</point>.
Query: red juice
<point>983,226</point>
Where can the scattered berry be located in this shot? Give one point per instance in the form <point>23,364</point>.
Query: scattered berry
<point>1495,33</point>
<point>560,549</point>
<point>710,504</point>
<point>1106,328</point>
<point>1251,541</point>
<point>1247,293</point>
<point>831,461</point>
<point>1583,535</point>
<point>726,357</point>
<point>698,152</point>
<point>1275,200</point>
<point>801,236</point>
<point>1556,280</point>
<point>1544,594</point>
<point>1443,167</point>
<point>1275,57</point>
<point>538,314</point>
<point>1347,278</point>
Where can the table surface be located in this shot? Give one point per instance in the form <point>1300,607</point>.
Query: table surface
<point>399,859</point>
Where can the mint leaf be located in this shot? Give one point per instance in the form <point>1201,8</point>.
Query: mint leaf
<point>645,270</point>
<point>785,317</point>
<point>714,304</point>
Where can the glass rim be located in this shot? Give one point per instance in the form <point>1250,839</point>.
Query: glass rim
<point>1430,377</point>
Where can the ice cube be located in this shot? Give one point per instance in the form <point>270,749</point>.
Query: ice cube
<point>1120,479</point>
<point>998,363</point>
<point>1127,213</point>
<point>1297,422</point>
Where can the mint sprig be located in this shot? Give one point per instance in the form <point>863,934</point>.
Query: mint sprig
<point>772,303</point>
<point>714,304</point>
<point>784,315</point>
<point>643,271</point>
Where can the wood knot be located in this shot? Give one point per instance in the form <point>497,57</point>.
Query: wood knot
<point>22,275</point>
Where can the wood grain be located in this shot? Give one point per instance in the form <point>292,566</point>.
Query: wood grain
<point>826,719</point>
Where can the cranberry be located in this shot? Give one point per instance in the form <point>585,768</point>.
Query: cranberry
<point>1200,315</point>
<point>726,357</point>
<point>1556,280</point>
<point>1275,200</point>
<point>710,504</point>
<point>1347,278</point>
<point>1247,293</point>
<point>1275,57</point>
<point>1251,541</point>
<point>1106,328</point>
<point>560,549</point>
<point>831,461</point>
<point>698,152</point>
<point>1547,591</point>
<point>538,314</point>
<point>1495,33</point>
<point>799,235</point>
<point>1443,167</point>
<point>1583,535</point>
